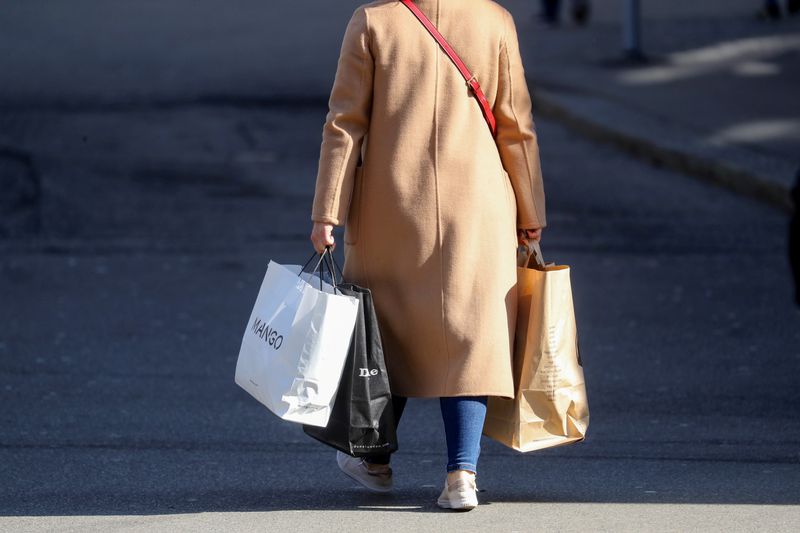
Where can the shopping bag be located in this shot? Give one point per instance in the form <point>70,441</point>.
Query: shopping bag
<point>550,407</point>
<point>362,421</point>
<point>296,341</point>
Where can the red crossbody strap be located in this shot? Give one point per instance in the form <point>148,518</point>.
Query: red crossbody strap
<point>472,83</point>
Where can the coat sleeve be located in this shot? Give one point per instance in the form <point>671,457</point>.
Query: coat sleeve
<point>516,134</point>
<point>346,124</point>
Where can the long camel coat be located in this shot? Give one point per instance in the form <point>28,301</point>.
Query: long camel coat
<point>430,200</point>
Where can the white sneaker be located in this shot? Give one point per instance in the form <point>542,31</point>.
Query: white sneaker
<point>378,478</point>
<point>462,495</point>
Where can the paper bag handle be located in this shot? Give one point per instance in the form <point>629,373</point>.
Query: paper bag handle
<point>535,254</point>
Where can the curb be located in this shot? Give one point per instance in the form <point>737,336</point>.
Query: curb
<point>713,171</point>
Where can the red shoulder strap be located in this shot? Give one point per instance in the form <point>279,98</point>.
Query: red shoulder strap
<point>472,83</point>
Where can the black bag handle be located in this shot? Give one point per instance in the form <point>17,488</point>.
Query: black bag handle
<point>332,264</point>
<point>321,264</point>
<point>307,262</point>
<point>329,263</point>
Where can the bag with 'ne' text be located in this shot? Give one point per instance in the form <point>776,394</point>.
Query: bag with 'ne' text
<point>362,422</point>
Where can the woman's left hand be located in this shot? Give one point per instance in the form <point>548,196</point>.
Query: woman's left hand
<point>322,236</point>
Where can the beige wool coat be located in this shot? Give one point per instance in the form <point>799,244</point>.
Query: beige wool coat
<point>429,199</point>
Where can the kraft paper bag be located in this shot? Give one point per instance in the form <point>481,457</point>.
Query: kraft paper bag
<point>296,343</point>
<point>550,407</point>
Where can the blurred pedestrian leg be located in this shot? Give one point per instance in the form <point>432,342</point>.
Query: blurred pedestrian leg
<point>770,10</point>
<point>550,12</point>
<point>581,10</point>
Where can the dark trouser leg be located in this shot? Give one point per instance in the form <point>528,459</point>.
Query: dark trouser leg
<point>580,11</point>
<point>550,10</point>
<point>398,404</point>
<point>772,8</point>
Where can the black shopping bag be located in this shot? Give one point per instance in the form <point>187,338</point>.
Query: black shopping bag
<point>362,420</point>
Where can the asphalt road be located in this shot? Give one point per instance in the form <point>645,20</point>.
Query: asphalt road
<point>120,324</point>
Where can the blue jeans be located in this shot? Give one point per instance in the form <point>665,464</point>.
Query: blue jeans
<point>463,424</point>
<point>463,418</point>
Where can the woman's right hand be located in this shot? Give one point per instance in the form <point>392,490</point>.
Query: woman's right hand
<point>524,235</point>
<point>322,236</point>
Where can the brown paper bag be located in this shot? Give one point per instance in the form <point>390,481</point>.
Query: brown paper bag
<point>550,407</point>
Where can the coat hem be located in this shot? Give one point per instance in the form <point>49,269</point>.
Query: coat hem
<point>454,395</point>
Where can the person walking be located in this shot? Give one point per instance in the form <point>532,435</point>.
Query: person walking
<point>434,206</point>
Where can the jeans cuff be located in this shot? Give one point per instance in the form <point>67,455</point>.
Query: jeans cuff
<point>461,466</point>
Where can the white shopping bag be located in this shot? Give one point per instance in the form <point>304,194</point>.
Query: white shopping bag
<point>295,345</point>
